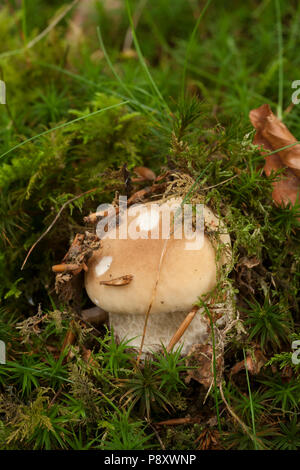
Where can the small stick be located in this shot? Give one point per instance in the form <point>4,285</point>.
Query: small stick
<point>177,421</point>
<point>118,281</point>
<point>182,328</point>
<point>157,435</point>
<point>54,398</point>
<point>235,416</point>
<point>60,268</point>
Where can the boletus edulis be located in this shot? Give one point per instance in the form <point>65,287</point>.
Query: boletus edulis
<point>141,270</point>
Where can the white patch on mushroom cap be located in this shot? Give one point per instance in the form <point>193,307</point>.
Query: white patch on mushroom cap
<point>103,265</point>
<point>148,219</point>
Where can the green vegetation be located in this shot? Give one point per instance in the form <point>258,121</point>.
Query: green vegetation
<point>84,105</point>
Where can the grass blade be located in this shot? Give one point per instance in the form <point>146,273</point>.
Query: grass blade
<point>112,68</point>
<point>280,59</point>
<point>190,44</point>
<point>65,124</point>
<point>251,403</point>
<point>142,60</point>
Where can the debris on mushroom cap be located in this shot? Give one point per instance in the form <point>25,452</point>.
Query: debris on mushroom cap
<point>184,275</point>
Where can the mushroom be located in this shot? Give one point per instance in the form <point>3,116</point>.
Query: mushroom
<point>144,268</point>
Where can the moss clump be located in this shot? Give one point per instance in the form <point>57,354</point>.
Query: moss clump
<point>54,397</point>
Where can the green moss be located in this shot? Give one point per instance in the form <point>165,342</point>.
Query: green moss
<point>52,404</point>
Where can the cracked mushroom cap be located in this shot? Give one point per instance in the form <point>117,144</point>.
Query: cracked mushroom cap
<point>122,274</point>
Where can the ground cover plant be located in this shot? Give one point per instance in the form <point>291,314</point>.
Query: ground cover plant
<point>94,90</point>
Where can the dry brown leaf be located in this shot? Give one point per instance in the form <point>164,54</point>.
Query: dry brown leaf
<point>208,439</point>
<point>145,173</point>
<point>201,359</point>
<point>255,360</point>
<point>118,281</point>
<point>88,356</point>
<point>68,340</point>
<point>272,134</point>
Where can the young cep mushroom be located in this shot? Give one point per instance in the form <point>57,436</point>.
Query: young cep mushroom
<point>140,264</point>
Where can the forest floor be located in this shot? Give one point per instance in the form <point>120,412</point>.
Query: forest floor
<point>87,101</point>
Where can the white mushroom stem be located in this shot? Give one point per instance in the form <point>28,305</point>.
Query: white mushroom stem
<point>160,330</point>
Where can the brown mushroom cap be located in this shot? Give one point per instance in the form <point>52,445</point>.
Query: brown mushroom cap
<point>184,274</point>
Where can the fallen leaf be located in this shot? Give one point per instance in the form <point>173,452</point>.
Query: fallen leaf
<point>254,361</point>
<point>208,439</point>
<point>272,134</point>
<point>145,173</point>
<point>200,358</point>
<point>287,373</point>
<point>68,341</point>
<point>88,357</point>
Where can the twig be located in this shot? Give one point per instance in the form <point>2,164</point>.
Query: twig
<point>157,435</point>
<point>54,398</point>
<point>182,328</point>
<point>178,421</point>
<point>54,221</point>
<point>235,416</point>
<point>60,268</point>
